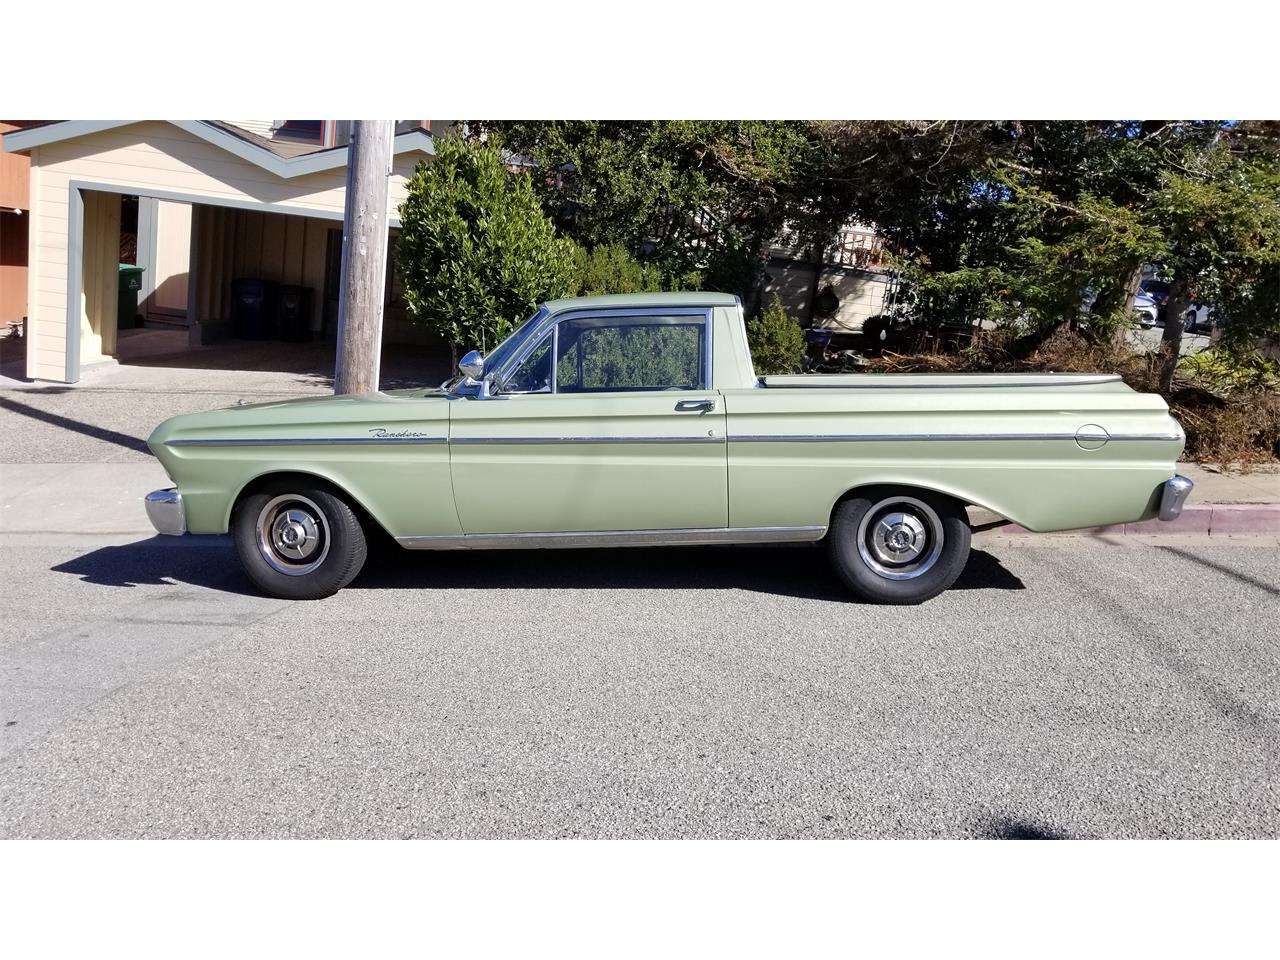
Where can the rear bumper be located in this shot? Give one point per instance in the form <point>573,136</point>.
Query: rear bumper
<point>1173,494</point>
<point>165,511</point>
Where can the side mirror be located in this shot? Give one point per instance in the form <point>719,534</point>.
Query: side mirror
<point>472,365</point>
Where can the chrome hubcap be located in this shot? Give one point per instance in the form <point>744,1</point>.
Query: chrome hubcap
<point>900,538</point>
<point>293,535</point>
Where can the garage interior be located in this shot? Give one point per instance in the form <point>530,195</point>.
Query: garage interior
<point>215,278</point>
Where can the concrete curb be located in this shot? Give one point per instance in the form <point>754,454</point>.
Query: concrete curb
<point>1202,519</point>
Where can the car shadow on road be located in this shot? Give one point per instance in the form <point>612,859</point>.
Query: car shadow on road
<point>803,572</point>
<point>794,571</point>
<point>209,562</point>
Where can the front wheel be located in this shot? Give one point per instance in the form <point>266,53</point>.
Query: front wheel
<point>899,546</point>
<point>298,541</point>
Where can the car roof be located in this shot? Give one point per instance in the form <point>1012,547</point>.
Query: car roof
<point>684,298</point>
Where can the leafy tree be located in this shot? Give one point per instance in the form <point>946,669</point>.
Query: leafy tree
<point>777,341</point>
<point>1026,222</point>
<point>1220,219</point>
<point>611,269</point>
<point>475,251</point>
<point>704,196</point>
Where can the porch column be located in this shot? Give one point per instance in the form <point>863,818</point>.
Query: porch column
<point>100,277</point>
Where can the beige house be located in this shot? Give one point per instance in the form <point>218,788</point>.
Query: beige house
<point>847,284</point>
<point>216,201</point>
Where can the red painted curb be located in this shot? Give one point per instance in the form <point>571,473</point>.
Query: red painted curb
<point>1204,519</point>
<point>1244,518</point>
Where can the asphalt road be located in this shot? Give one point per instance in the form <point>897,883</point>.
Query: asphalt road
<point>1062,689</point>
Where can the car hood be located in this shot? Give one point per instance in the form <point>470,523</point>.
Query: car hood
<point>328,401</point>
<point>346,417</point>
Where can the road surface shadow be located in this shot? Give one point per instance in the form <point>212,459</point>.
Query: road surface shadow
<point>77,426</point>
<point>1016,828</point>
<point>1231,572</point>
<point>208,562</point>
<point>794,571</point>
<point>800,571</point>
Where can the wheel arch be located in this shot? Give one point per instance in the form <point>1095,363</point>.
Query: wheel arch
<point>366,516</point>
<point>962,497</point>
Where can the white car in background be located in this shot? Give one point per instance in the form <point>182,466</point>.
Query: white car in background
<point>1145,310</point>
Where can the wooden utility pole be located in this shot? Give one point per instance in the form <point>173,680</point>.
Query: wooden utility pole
<point>364,257</point>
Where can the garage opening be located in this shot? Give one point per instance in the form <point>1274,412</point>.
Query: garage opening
<point>227,288</point>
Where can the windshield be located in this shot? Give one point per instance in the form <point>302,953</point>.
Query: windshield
<point>508,346</point>
<point>503,350</point>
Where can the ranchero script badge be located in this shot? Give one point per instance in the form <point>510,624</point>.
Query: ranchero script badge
<point>384,433</point>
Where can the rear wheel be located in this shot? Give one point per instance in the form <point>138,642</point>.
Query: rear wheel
<point>298,541</point>
<point>899,546</point>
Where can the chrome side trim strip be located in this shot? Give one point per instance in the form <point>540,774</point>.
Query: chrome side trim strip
<point>1050,380</point>
<point>858,437</point>
<point>259,441</point>
<point>522,440</point>
<point>615,538</point>
<point>740,438</point>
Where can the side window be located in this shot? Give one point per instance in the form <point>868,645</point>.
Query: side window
<point>534,373</point>
<point>630,353</point>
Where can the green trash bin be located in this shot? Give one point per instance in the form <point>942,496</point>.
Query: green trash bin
<point>130,285</point>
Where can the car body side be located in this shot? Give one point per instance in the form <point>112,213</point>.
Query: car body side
<point>1048,453</point>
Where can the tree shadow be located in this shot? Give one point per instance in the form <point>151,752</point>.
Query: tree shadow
<point>1016,828</point>
<point>801,571</point>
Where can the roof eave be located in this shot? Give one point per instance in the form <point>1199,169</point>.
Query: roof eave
<point>21,141</point>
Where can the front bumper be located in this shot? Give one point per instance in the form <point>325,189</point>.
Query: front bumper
<point>1173,494</point>
<point>164,510</point>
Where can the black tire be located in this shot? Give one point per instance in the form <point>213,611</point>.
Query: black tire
<point>297,540</point>
<point>934,543</point>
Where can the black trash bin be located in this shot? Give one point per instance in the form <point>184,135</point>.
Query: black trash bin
<point>253,309</point>
<point>127,302</point>
<point>294,314</point>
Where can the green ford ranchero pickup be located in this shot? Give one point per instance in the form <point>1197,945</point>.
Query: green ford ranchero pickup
<point>638,420</point>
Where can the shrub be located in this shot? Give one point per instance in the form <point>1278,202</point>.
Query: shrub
<point>1227,370</point>
<point>476,253</point>
<point>777,341</point>
<point>611,269</point>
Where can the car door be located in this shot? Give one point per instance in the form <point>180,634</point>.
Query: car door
<point>605,421</point>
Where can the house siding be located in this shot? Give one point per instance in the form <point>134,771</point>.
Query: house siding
<point>262,128</point>
<point>146,158</point>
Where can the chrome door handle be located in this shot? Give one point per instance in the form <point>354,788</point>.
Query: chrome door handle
<point>703,406</point>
